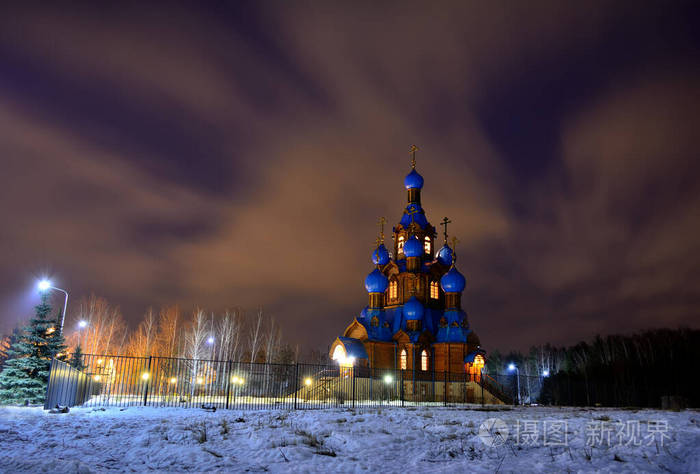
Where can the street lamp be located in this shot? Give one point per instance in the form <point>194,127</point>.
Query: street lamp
<point>44,286</point>
<point>210,340</point>
<point>512,367</point>
<point>545,373</point>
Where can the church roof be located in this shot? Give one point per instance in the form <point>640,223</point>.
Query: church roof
<point>469,358</point>
<point>413,180</point>
<point>392,320</point>
<point>353,347</point>
<point>414,213</point>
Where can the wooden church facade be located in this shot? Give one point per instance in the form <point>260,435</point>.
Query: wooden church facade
<point>414,320</point>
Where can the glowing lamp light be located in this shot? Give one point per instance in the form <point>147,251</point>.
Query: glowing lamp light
<point>388,379</point>
<point>145,376</point>
<point>173,380</point>
<point>82,324</point>
<point>200,380</point>
<point>511,366</point>
<point>240,381</point>
<point>97,378</point>
<point>234,379</point>
<point>210,340</point>
<point>100,361</point>
<point>342,358</point>
<point>545,373</point>
<point>308,382</point>
<point>44,285</point>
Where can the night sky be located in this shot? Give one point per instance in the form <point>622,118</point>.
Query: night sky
<point>228,154</point>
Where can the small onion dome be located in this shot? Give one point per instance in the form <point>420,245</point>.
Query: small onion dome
<point>380,256</point>
<point>453,281</point>
<point>444,255</point>
<point>413,309</point>
<point>376,282</point>
<point>413,247</point>
<point>413,180</point>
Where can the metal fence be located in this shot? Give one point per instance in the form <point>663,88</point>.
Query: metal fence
<point>104,380</point>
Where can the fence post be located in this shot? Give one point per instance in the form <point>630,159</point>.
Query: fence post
<point>482,387</point>
<point>148,381</point>
<point>228,382</point>
<point>353,386</point>
<point>445,384</point>
<point>49,386</point>
<point>296,384</point>
<point>402,398</point>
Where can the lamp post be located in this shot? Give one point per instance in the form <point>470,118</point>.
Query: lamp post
<point>44,286</point>
<point>512,367</point>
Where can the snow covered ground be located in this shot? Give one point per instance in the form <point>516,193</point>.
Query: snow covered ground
<point>392,439</point>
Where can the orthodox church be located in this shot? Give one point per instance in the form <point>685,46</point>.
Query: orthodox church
<point>414,320</point>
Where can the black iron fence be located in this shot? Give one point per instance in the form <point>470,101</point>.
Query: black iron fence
<point>106,380</point>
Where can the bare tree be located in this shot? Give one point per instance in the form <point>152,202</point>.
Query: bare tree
<point>255,339</point>
<point>229,335</point>
<point>273,338</point>
<point>195,340</point>
<point>168,338</point>
<point>103,328</point>
<point>142,341</point>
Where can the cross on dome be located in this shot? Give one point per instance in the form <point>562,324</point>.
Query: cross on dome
<point>412,151</point>
<point>444,223</point>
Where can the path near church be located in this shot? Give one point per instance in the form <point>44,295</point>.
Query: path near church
<point>422,439</point>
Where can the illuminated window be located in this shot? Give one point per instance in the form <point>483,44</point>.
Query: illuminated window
<point>375,321</point>
<point>401,243</point>
<point>404,359</point>
<point>393,290</point>
<point>424,360</point>
<point>426,245</point>
<point>434,290</point>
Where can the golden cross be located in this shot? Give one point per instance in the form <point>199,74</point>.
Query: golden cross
<point>445,221</point>
<point>454,241</point>
<point>381,229</point>
<point>412,151</point>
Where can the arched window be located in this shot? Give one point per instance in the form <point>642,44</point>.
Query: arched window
<point>426,245</point>
<point>424,360</point>
<point>393,290</point>
<point>434,290</point>
<point>401,239</point>
<point>403,360</point>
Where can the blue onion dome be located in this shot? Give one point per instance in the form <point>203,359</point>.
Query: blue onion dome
<point>376,282</point>
<point>444,255</point>
<point>413,309</point>
<point>413,180</point>
<point>380,256</point>
<point>413,247</point>
<point>453,281</point>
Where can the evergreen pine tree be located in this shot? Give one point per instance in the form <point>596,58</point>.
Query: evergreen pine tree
<point>26,371</point>
<point>76,359</point>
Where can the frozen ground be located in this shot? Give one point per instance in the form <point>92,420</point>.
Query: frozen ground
<point>374,440</point>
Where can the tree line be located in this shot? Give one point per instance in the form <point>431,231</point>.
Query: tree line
<point>615,370</point>
<point>167,332</point>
